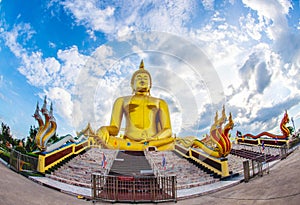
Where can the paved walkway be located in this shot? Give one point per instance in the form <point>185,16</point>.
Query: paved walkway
<point>181,194</point>
<point>63,187</point>
<point>280,186</point>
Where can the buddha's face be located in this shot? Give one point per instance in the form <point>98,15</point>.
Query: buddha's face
<point>141,82</point>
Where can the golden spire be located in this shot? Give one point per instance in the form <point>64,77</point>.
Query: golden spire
<point>142,65</point>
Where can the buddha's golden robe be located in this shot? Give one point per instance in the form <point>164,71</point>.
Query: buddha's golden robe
<point>147,123</point>
<point>147,118</point>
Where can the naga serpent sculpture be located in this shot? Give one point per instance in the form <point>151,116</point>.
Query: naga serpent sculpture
<point>219,136</point>
<point>38,117</point>
<point>285,131</point>
<point>217,144</point>
<point>47,128</point>
<point>226,133</point>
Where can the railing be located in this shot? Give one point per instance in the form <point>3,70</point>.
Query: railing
<point>21,162</point>
<point>110,162</point>
<point>259,165</point>
<point>153,164</point>
<point>134,188</point>
<point>50,159</point>
<point>218,165</point>
<point>283,152</point>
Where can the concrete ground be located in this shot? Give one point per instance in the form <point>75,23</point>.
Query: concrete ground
<point>280,186</point>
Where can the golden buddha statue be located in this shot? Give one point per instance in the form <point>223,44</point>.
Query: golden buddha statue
<point>147,118</point>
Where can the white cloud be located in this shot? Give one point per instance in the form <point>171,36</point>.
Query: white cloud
<point>122,17</point>
<point>91,34</point>
<point>229,46</point>
<point>52,45</point>
<point>62,102</point>
<point>275,22</point>
<point>71,64</point>
<point>87,13</point>
<point>33,67</point>
<point>249,64</point>
<point>251,27</point>
<point>225,45</point>
<point>57,76</point>
<point>11,40</point>
<point>208,4</point>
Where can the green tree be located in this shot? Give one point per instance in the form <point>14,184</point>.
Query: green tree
<point>5,133</point>
<point>291,129</point>
<point>20,149</point>
<point>30,144</point>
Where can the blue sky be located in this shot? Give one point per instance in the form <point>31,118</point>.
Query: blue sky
<point>244,54</point>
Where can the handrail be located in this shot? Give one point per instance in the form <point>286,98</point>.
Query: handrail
<point>18,160</point>
<point>153,165</point>
<point>110,162</point>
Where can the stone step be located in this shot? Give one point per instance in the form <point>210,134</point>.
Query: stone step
<point>130,163</point>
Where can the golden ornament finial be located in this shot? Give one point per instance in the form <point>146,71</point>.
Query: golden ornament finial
<point>142,65</point>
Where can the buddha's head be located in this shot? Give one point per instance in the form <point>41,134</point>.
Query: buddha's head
<point>141,80</point>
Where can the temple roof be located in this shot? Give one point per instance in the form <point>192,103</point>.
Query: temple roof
<point>87,131</point>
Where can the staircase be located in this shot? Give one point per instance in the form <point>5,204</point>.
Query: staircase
<point>127,180</point>
<point>252,155</point>
<point>131,163</point>
<point>77,170</point>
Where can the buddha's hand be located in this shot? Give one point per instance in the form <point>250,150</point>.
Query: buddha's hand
<point>149,139</point>
<point>103,133</point>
